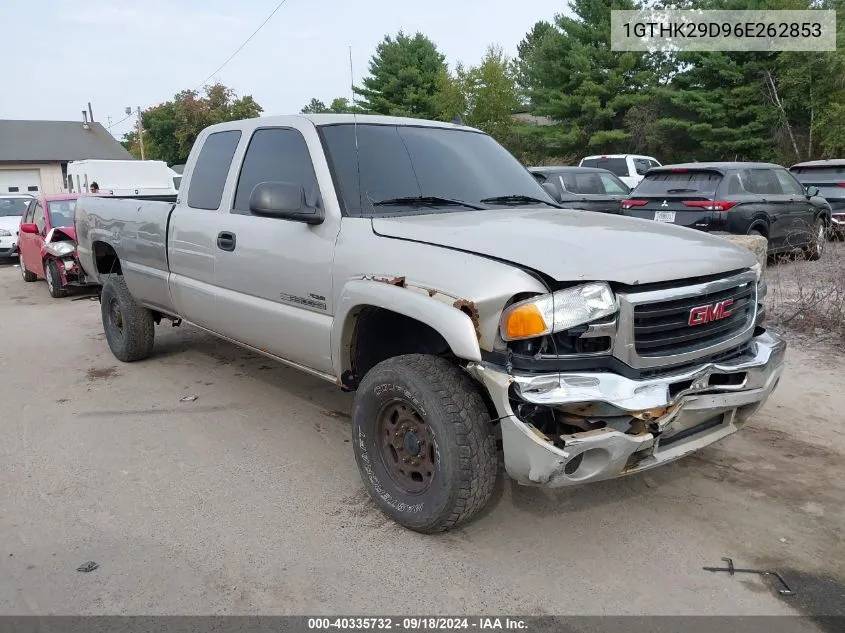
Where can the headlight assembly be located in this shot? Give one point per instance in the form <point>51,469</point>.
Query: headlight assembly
<point>561,310</point>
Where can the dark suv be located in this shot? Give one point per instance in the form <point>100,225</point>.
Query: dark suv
<point>739,198</point>
<point>585,188</point>
<point>829,177</point>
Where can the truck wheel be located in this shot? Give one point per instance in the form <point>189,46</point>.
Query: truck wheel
<point>27,276</point>
<point>129,328</point>
<point>424,443</point>
<point>54,280</point>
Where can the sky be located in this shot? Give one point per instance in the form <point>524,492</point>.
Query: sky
<point>61,54</point>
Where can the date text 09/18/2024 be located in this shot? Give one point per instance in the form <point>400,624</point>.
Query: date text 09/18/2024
<point>430,623</point>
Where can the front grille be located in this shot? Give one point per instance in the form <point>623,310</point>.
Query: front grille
<point>662,328</point>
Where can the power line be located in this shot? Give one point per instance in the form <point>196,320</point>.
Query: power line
<point>238,50</point>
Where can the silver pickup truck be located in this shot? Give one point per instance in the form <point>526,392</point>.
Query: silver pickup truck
<point>420,265</point>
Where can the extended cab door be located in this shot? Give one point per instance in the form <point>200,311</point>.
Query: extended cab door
<point>274,275</point>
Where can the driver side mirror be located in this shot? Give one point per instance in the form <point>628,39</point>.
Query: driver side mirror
<point>283,200</point>
<point>30,228</point>
<point>812,191</point>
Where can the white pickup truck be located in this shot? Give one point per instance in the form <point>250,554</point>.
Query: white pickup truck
<point>629,168</point>
<point>420,265</point>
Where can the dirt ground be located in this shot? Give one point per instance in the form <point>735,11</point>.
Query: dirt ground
<point>247,500</point>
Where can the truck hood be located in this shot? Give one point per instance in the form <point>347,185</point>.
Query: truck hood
<point>575,245</point>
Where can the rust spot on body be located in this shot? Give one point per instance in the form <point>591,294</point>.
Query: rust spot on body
<point>471,310</point>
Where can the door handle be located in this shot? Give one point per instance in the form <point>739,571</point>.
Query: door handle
<point>226,241</point>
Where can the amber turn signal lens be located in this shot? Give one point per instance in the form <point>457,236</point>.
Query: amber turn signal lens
<point>524,322</point>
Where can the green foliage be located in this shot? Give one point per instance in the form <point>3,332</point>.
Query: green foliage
<point>404,74</point>
<point>171,128</point>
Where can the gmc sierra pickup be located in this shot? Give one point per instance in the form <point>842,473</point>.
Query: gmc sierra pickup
<point>420,265</point>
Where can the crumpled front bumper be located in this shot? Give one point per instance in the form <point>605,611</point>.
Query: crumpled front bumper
<point>689,409</point>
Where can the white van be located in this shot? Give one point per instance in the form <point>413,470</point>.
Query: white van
<point>123,177</point>
<point>630,168</point>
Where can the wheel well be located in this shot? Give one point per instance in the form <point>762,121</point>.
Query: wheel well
<point>760,225</point>
<point>105,258</point>
<point>380,334</point>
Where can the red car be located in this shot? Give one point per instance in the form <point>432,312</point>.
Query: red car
<point>47,243</point>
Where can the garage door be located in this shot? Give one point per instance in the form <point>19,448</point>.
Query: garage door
<point>20,181</point>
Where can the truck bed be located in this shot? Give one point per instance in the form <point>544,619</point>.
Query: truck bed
<point>135,227</point>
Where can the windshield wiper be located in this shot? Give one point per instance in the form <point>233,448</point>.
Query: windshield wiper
<point>431,201</point>
<point>682,191</point>
<point>517,199</point>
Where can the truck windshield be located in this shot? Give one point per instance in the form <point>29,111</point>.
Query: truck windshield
<point>411,167</point>
<point>13,207</point>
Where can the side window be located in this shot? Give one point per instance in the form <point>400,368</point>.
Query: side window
<point>612,185</point>
<point>653,163</point>
<point>275,155</point>
<point>211,169</point>
<point>642,165</point>
<point>789,184</point>
<point>734,186</point>
<point>568,182</point>
<point>761,181</point>
<point>38,217</point>
<point>27,216</point>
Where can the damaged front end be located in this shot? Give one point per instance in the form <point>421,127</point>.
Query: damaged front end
<point>60,246</point>
<point>636,388</point>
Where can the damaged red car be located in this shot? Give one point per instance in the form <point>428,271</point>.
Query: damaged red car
<point>47,244</point>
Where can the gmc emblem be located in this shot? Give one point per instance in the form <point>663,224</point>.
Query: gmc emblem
<point>713,312</point>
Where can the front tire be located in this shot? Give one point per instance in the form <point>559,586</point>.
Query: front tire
<point>54,280</point>
<point>423,442</point>
<point>27,276</point>
<point>129,328</point>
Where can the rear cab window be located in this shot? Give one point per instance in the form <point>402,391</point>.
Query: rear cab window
<point>209,176</point>
<point>618,166</point>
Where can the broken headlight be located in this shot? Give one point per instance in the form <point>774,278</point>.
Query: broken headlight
<point>59,249</point>
<point>558,311</point>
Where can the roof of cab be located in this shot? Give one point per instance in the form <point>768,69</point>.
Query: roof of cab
<point>337,119</point>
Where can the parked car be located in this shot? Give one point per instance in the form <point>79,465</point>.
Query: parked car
<point>829,177</point>
<point>47,244</point>
<point>12,207</point>
<point>419,264</point>
<point>582,188</point>
<point>739,198</point>
<point>630,168</point>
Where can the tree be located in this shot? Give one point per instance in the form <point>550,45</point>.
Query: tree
<point>404,73</point>
<point>171,128</point>
<point>315,106</point>
<point>574,78</point>
<point>486,96</point>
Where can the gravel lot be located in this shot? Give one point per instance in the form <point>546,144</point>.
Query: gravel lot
<point>247,500</point>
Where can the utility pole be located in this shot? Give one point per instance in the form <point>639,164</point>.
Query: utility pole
<point>139,127</point>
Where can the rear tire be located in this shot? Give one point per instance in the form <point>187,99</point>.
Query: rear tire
<point>27,276</point>
<point>424,443</point>
<point>54,280</point>
<point>129,328</point>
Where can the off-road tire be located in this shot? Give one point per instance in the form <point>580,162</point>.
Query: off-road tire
<point>815,249</point>
<point>54,280</point>
<point>451,406</point>
<point>27,276</point>
<point>132,339</point>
